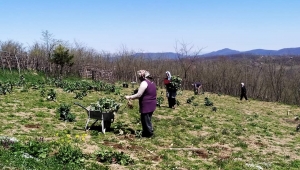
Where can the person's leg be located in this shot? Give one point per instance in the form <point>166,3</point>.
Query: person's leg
<point>147,124</point>
<point>195,90</point>
<point>173,102</point>
<point>170,102</point>
<point>241,96</point>
<point>245,95</point>
<point>199,90</point>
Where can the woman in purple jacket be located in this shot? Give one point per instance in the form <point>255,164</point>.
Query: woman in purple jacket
<point>147,101</point>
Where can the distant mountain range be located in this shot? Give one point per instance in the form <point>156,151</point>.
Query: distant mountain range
<point>228,52</point>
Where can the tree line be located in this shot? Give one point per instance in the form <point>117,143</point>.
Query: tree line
<point>267,78</point>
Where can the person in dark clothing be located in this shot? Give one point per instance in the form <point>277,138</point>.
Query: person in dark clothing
<point>147,101</point>
<point>243,92</point>
<point>197,87</point>
<point>171,91</point>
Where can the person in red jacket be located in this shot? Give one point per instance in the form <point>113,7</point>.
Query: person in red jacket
<point>171,92</point>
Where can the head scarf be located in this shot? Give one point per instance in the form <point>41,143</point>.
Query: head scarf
<point>143,73</point>
<point>242,84</point>
<point>168,75</point>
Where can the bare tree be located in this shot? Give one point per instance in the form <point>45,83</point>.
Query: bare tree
<point>12,47</point>
<point>49,45</point>
<point>186,56</point>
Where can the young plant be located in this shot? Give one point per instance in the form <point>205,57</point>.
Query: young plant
<point>208,102</point>
<point>43,92</point>
<point>78,95</point>
<point>189,100</point>
<point>68,153</point>
<point>159,100</point>
<point>109,156</point>
<point>51,95</point>
<point>214,109</point>
<point>64,113</point>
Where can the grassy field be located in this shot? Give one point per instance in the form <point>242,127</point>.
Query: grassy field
<point>231,134</point>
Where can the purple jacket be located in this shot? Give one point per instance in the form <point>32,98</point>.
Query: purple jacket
<point>147,101</point>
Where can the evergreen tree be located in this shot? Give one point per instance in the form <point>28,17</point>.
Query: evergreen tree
<point>62,57</point>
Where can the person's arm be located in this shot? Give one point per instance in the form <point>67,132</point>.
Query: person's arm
<point>140,92</point>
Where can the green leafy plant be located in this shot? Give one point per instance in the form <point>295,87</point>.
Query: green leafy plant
<point>117,91</point>
<point>207,102</point>
<point>43,92</point>
<point>94,133</point>
<point>159,100</point>
<point>105,105</point>
<point>51,95</point>
<point>122,97</point>
<point>22,81</point>
<point>6,87</point>
<point>109,156</point>
<point>79,95</point>
<point>64,112</point>
<point>68,153</point>
<point>214,109</point>
<point>36,148</point>
<point>175,83</point>
<point>71,117</point>
<point>3,90</point>
<point>189,100</point>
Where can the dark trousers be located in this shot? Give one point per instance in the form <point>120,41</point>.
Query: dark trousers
<point>244,95</point>
<point>146,124</point>
<point>171,101</point>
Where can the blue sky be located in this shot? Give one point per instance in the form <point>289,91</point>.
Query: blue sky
<point>155,25</point>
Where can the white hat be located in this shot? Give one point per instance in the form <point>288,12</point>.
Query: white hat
<point>242,84</point>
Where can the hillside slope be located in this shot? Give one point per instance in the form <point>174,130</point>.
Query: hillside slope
<point>239,134</point>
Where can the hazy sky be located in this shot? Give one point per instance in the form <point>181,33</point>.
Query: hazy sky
<point>155,25</point>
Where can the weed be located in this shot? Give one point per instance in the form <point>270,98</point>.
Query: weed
<point>109,156</point>
<point>241,144</point>
<point>69,154</point>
